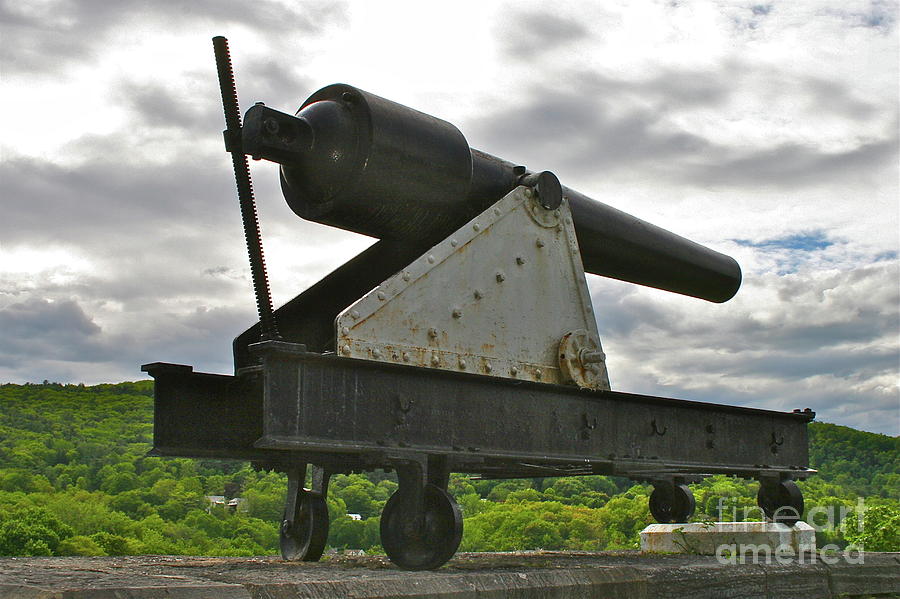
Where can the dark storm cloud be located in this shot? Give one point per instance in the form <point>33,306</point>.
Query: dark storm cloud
<point>157,106</point>
<point>277,82</point>
<point>835,362</point>
<point>40,328</point>
<point>597,123</point>
<point>36,318</point>
<point>47,37</point>
<point>586,136</point>
<point>792,165</point>
<point>190,105</point>
<point>37,335</point>
<point>46,202</point>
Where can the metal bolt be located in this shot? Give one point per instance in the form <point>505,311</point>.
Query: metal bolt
<point>588,356</point>
<point>376,353</point>
<point>435,360</point>
<point>271,126</point>
<point>430,259</point>
<point>478,294</point>
<point>380,295</point>
<point>514,371</point>
<point>529,193</point>
<point>432,332</point>
<point>405,276</point>
<point>520,260</point>
<point>476,227</point>
<point>538,373</point>
<point>540,243</point>
<point>406,356</point>
<point>457,312</point>
<point>345,330</point>
<point>488,366</point>
<point>346,350</point>
<point>454,243</point>
<point>500,276</point>
<point>354,314</point>
<point>462,364</point>
<point>497,211</point>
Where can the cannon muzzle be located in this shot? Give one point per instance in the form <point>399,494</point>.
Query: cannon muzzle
<point>359,162</point>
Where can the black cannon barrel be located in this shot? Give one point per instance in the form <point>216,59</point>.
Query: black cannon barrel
<point>359,162</point>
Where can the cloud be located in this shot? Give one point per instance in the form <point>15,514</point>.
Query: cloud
<point>597,123</point>
<point>48,37</point>
<point>792,165</point>
<point>44,339</point>
<point>534,33</point>
<point>159,106</point>
<point>823,339</point>
<point>586,133</point>
<point>111,197</point>
<point>58,330</point>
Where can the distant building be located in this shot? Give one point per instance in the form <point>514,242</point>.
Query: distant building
<point>355,516</point>
<point>215,500</point>
<point>233,505</point>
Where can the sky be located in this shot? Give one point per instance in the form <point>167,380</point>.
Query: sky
<point>765,130</point>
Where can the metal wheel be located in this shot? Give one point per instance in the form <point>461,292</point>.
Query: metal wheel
<point>671,503</point>
<point>304,535</point>
<point>781,503</point>
<point>432,545</point>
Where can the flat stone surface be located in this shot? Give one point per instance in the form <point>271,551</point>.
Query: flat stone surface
<point>724,538</point>
<point>525,575</point>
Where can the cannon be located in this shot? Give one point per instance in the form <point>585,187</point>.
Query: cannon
<point>463,340</point>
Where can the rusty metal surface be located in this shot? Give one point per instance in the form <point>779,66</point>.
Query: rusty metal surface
<point>495,298</point>
<point>582,361</point>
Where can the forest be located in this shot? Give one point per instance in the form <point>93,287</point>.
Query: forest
<point>75,479</point>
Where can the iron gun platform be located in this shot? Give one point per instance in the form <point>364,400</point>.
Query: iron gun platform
<point>464,340</point>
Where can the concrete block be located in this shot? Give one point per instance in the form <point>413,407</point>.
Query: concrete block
<point>729,538</point>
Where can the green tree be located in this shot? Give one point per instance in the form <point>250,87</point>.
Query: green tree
<point>80,545</point>
<point>879,531</point>
<point>32,531</point>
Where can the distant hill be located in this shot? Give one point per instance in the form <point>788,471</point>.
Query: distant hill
<point>862,463</point>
